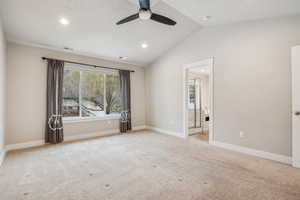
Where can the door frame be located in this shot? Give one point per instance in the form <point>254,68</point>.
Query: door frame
<point>295,136</point>
<point>203,63</point>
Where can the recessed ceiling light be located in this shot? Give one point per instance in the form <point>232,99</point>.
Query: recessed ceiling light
<point>144,45</point>
<point>64,21</point>
<point>206,18</point>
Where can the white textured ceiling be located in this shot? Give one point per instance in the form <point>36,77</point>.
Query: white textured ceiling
<point>231,11</point>
<point>92,30</point>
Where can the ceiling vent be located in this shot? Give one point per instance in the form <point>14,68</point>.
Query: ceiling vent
<point>68,49</point>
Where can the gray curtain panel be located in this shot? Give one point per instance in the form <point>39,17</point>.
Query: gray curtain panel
<point>54,125</point>
<point>125,122</point>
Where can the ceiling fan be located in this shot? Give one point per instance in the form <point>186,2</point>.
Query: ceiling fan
<point>145,13</point>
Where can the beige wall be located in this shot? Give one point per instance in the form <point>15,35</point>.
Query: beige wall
<point>2,88</point>
<point>252,82</point>
<point>26,95</point>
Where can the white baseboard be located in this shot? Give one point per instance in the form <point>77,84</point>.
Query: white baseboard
<point>37,143</point>
<point>253,152</point>
<point>139,128</point>
<point>2,156</point>
<point>99,134</point>
<point>296,164</point>
<point>91,135</point>
<point>165,131</point>
<point>24,145</point>
<point>262,154</point>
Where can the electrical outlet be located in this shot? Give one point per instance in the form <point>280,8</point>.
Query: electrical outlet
<point>108,122</point>
<point>242,134</point>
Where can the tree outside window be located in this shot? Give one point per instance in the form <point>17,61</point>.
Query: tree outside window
<point>90,93</point>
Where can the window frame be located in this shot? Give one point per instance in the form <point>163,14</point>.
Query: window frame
<point>105,72</point>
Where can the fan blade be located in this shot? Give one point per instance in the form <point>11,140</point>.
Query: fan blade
<point>128,19</point>
<point>162,19</point>
<point>145,4</point>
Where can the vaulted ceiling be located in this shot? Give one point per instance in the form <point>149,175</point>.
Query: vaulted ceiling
<point>92,30</point>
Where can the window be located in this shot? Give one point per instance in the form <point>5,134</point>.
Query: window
<point>90,94</point>
<point>71,93</point>
<point>113,100</point>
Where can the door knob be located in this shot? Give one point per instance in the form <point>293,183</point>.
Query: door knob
<point>297,113</point>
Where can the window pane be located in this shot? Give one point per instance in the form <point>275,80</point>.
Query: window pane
<point>92,94</point>
<point>71,93</point>
<point>113,103</point>
<point>192,92</point>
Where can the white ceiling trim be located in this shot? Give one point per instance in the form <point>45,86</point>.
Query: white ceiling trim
<point>76,52</point>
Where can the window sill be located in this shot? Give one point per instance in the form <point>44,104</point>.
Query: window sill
<point>70,120</point>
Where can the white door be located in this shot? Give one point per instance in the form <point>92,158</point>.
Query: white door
<point>296,105</point>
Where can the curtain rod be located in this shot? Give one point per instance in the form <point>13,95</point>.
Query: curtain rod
<point>78,63</point>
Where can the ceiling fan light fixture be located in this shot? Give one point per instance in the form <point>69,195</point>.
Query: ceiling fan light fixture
<point>145,14</point>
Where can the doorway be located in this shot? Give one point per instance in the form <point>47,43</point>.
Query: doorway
<point>198,100</point>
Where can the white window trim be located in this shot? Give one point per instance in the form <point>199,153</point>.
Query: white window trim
<point>104,91</point>
<point>90,119</point>
<point>79,89</point>
<point>69,120</point>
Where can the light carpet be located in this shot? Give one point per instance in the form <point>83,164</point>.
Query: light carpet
<point>143,166</point>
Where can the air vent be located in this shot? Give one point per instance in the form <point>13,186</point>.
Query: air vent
<point>68,49</point>
<point>123,57</point>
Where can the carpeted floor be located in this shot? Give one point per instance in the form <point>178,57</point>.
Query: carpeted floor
<point>143,165</point>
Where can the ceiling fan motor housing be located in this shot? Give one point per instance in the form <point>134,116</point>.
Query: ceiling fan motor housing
<point>145,14</point>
